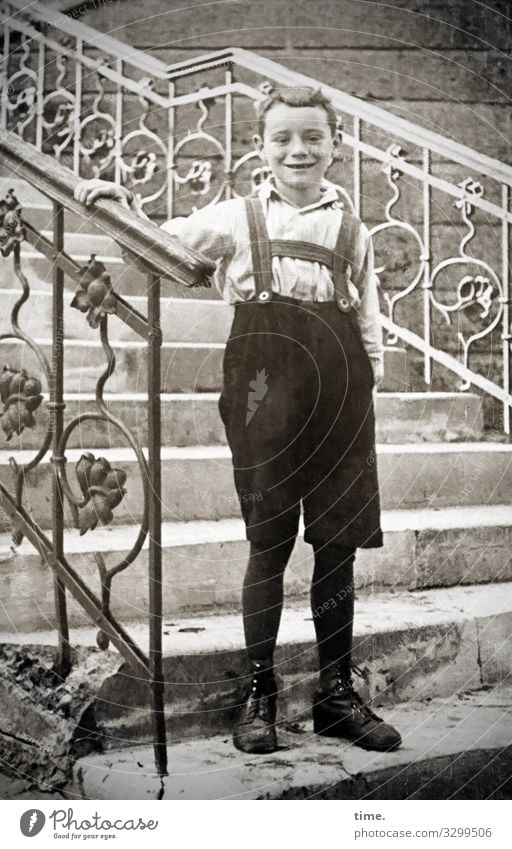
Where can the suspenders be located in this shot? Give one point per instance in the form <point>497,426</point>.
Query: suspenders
<point>263,250</point>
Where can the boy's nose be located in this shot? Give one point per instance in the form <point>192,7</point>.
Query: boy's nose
<point>297,148</point>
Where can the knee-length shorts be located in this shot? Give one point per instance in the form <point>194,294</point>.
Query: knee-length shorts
<point>297,405</point>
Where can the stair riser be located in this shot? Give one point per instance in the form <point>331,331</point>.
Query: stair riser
<point>182,320</point>
<point>204,488</point>
<point>203,690</point>
<point>196,421</point>
<point>207,578</point>
<point>126,279</point>
<point>184,369</point>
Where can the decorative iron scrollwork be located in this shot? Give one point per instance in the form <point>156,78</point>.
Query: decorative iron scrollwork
<point>95,295</point>
<point>483,288</point>
<point>11,228</point>
<point>21,396</point>
<point>103,490</point>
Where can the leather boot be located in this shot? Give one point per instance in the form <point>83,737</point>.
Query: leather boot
<point>339,711</point>
<point>255,729</point>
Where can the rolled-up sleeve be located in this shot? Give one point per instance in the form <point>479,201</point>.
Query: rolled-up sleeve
<point>369,310</point>
<point>207,230</point>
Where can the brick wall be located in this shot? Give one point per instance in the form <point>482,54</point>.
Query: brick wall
<point>446,65</point>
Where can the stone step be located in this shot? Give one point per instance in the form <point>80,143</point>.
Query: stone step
<point>410,646</point>
<point>182,319</point>
<point>197,482</point>
<point>127,279</point>
<point>204,564</point>
<point>186,366</point>
<point>456,747</point>
<point>194,419</point>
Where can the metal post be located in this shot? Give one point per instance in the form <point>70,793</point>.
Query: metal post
<point>171,117</point>
<point>154,485</point>
<point>506,335</point>
<point>228,138</point>
<point>357,166</point>
<point>56,407</point>
<point>426,268</point>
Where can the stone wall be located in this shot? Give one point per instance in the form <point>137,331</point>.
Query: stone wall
<point>446,65</point>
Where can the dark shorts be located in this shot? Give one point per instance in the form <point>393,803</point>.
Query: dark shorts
<point>298,410</point>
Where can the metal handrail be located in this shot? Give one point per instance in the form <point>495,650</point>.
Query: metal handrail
<point>154,168</point>
<point>113,46</point>
<point>355,106</point>
<point>374,115</point>
<point>165,254</point>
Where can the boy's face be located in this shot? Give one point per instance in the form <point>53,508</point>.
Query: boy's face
<point>297,144</point>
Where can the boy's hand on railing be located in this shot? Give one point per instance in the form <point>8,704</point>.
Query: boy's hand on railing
<point>89,191</point>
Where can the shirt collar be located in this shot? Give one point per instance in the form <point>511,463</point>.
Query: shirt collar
<point>330,194</point>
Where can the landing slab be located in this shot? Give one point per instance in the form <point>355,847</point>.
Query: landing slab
<point>455,748</point>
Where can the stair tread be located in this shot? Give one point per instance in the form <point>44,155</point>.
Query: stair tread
<point>201,532</point>
<point>214,452</point>
<point>384,613</point>
<point>213,769</point>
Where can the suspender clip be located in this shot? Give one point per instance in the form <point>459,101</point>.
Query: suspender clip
<point>263,296</point>
<point>344,305</point>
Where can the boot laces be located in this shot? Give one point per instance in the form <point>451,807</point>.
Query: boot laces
<point>345,687</point>
<point>259,696</point>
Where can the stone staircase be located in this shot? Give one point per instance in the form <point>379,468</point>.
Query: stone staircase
<point>433,608</point>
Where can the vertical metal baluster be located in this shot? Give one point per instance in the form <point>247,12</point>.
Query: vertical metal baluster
<point>171,117</point>
<point>506,335</point>
<point>56,408</point>
<point>228,135</point>
<point>5,84</point>
<point>357,166</point>
<point>118,140</point>
<point>40,95</point>
<point>155,526</point>
<point>426,271</point>
<point>78,107</point>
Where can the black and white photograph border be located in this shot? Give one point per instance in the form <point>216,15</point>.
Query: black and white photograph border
<point>239,238</point>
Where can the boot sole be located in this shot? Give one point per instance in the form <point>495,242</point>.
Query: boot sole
<point>250,749</point>
<point>328,728</point>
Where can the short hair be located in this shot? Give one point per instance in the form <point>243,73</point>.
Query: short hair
<point>295,96</point>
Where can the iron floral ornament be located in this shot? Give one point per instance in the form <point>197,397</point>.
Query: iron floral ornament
<point>102,488</point>
<point>21,396</point>
<point>11,228</point>
<point>95,296</point>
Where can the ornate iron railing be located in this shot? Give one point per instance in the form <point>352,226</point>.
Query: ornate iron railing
<point>98,487</point>
<point>439,211</point>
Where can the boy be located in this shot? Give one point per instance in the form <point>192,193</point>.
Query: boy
<point>303,356</point>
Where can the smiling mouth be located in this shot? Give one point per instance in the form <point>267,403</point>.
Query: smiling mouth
<point>301,166</point>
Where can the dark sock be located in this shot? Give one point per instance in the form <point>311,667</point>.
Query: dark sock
<point>262,598</point>
<point>332,604</point>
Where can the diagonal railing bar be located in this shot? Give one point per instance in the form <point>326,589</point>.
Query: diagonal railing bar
<point>102,487</point>
<point>60,259</point>
<point>75,585</point>
<point>165,254</point>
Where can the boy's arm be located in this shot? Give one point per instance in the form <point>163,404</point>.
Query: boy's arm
<point>207,230</point>
<point>369,311</point>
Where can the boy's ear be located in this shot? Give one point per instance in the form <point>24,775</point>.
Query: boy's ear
<point>336,143</point>
<point>258,144</point>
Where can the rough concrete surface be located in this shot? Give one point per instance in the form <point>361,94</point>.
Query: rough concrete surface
<point>452,748</point>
